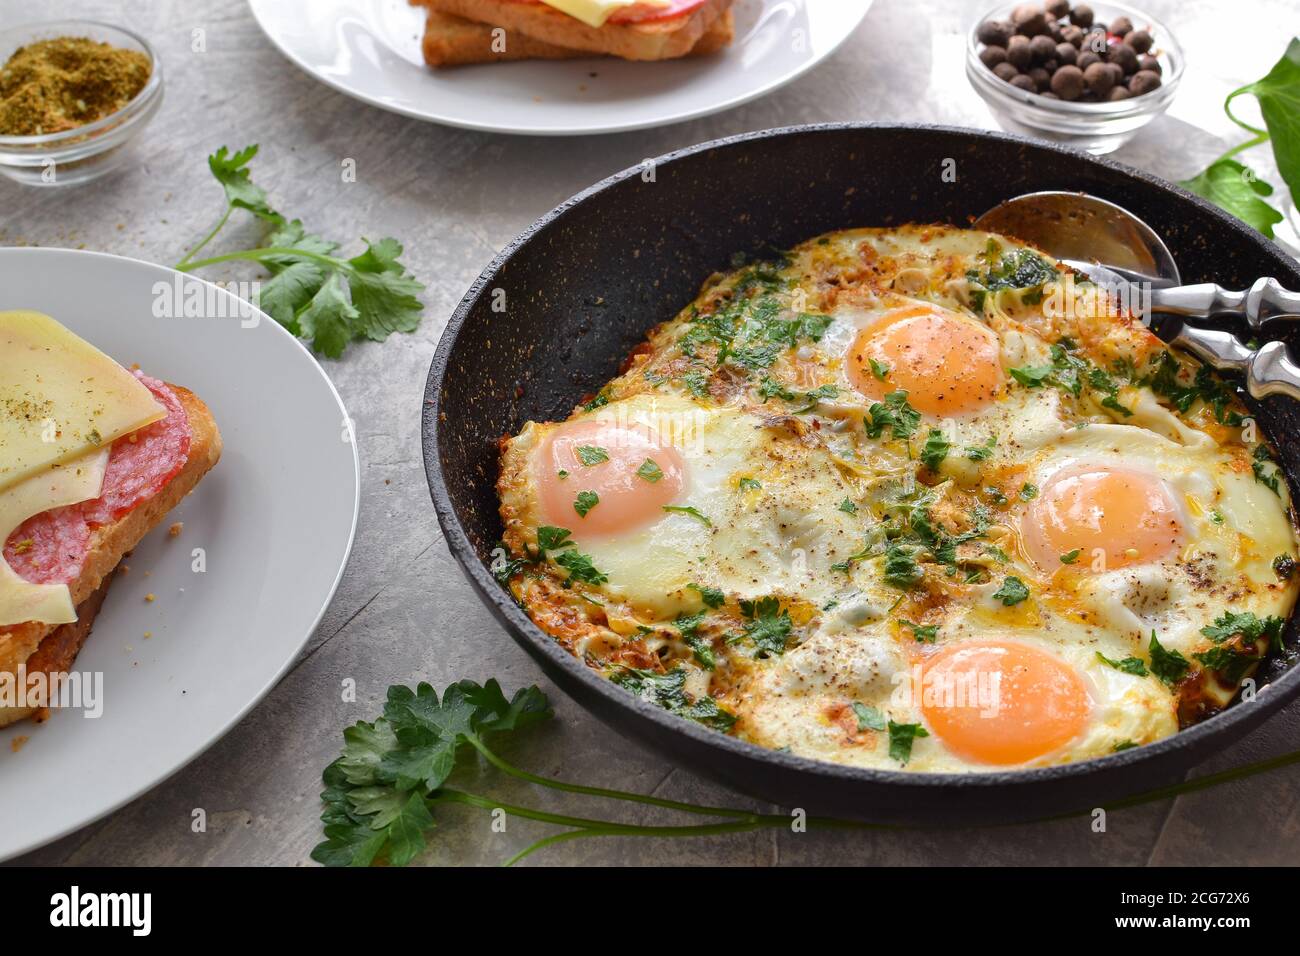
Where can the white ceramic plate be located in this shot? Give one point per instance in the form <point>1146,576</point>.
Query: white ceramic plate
<point>370,49</point>
<point>274,519</point>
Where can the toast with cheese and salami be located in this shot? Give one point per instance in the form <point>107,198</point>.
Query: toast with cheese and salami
<point>455,41</point>
<point>630,29</point>
<point>111,452</point>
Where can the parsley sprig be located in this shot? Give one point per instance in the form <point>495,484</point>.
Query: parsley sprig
<point>383,793</point>
<point>317,295</point>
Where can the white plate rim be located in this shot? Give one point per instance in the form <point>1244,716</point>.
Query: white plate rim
<point>594,129</point>
<point>46,838</point>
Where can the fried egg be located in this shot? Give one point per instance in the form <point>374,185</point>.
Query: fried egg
<point>908,498</point>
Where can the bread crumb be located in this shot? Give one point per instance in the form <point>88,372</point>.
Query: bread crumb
<point>148,634</point>
<point>150,597</point>
<point>176,529</point>
<point>124,569</point>
<point>18,743</point>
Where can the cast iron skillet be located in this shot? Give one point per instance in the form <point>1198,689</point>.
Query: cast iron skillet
<point>586,282</point>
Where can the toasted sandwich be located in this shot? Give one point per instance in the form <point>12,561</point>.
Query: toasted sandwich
<point>455,41</point>
<point>631,29</point>
<point>92,457</point>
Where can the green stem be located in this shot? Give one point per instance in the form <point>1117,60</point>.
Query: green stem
<point>1262,138</point>
<point>209,237</point>
<point>553,784</point>
<point>1227,108</point>
<point>257,255</point>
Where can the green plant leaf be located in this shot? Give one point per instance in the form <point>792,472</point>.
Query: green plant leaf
<point>1235,188</point>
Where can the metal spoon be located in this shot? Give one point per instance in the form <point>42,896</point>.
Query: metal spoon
<point>1122,254</point>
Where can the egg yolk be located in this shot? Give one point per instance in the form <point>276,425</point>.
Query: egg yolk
<point>631,471</point>
<point>998,702</point>
<point>947,364</point>
<point>1122,515</point>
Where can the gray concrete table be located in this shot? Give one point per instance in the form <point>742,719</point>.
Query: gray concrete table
<point>404,613</point>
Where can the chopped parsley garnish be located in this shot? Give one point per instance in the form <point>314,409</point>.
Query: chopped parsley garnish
<point>592,455</point>
<point>562,474</point>
<point>1018,269</point>
<point>893,413</point>
<point>712,597</point>
<point>868,717</point>
<point>848,507</point>
<point>1169,666</point>
<point>697,383</point>
<point>649,471</point>
<point>689,512</point>
<point>768,626</point>
<point>550,538</point>
<point>1032,376</point>
<point>749,484</point>
<point>1167,382</point>
<point>1249,626</point>
<point>600,401</point>
<point>1013,591</point>
<point>669,692</point>
<point>1129,665</point>
<point>585,501</point>
<point>1070,556</point>
<point>982,452</point>
<point>901,737</point>
<point>580,567</point>
<point>879,369</point>
<point>1028,492</point>
<point>924,633</point>
<point>1123,745</point>
<point>935,450</point>
<point>1231,664</point>
<point>901,569</point>
<point>1266,473</point>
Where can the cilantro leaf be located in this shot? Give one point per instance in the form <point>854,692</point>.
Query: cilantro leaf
<point>901,737</point>
<point>668,691</point>
<point>1013,591</point>
<point>591,455</point>
<point>690,512</point>
<point>316,295</point>
<point>868,717</point>
<point>935,450</point>
<point>893,413</point>
<point>768,627</point>
<point>712,597</point>
<point>1169,666</point>
<point>585,501</point>
<point>1129,665</point>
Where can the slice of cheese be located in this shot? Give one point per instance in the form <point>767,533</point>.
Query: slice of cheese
<point>595,12</point>
<point>60,397</point>
<point>64,484</point>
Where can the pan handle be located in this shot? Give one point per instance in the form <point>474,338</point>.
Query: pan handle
<point>1269,370</point>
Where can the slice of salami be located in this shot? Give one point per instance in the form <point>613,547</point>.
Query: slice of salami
<point>50,548</point>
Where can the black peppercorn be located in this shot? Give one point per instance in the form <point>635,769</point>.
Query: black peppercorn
<point>1086,59</point>
<point>1067,54</point>
<point>1147,62</point>
<point>1081,15</point>
<point>1118,93</point>
<point>1121,26</point>
<point>1057,8</point>
<point>1072,35</point>
<point>1022,82</point>
<point>1042,78</point>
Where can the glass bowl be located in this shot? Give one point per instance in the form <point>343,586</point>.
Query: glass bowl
<point>86,152</point>
<point>1096,127</point>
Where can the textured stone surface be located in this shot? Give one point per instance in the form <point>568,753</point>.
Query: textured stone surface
<point>404,612</point>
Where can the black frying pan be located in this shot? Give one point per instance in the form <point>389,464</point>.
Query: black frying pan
<point>586,282</point>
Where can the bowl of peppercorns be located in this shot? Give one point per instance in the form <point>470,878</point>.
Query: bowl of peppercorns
<point>1089,75</point>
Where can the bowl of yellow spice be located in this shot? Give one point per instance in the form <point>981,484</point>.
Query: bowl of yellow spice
<point>73,94</point>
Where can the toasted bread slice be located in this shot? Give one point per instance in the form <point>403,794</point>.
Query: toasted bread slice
<point>454,41</point>
<point>38,646</point>
<point>664,39</point>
